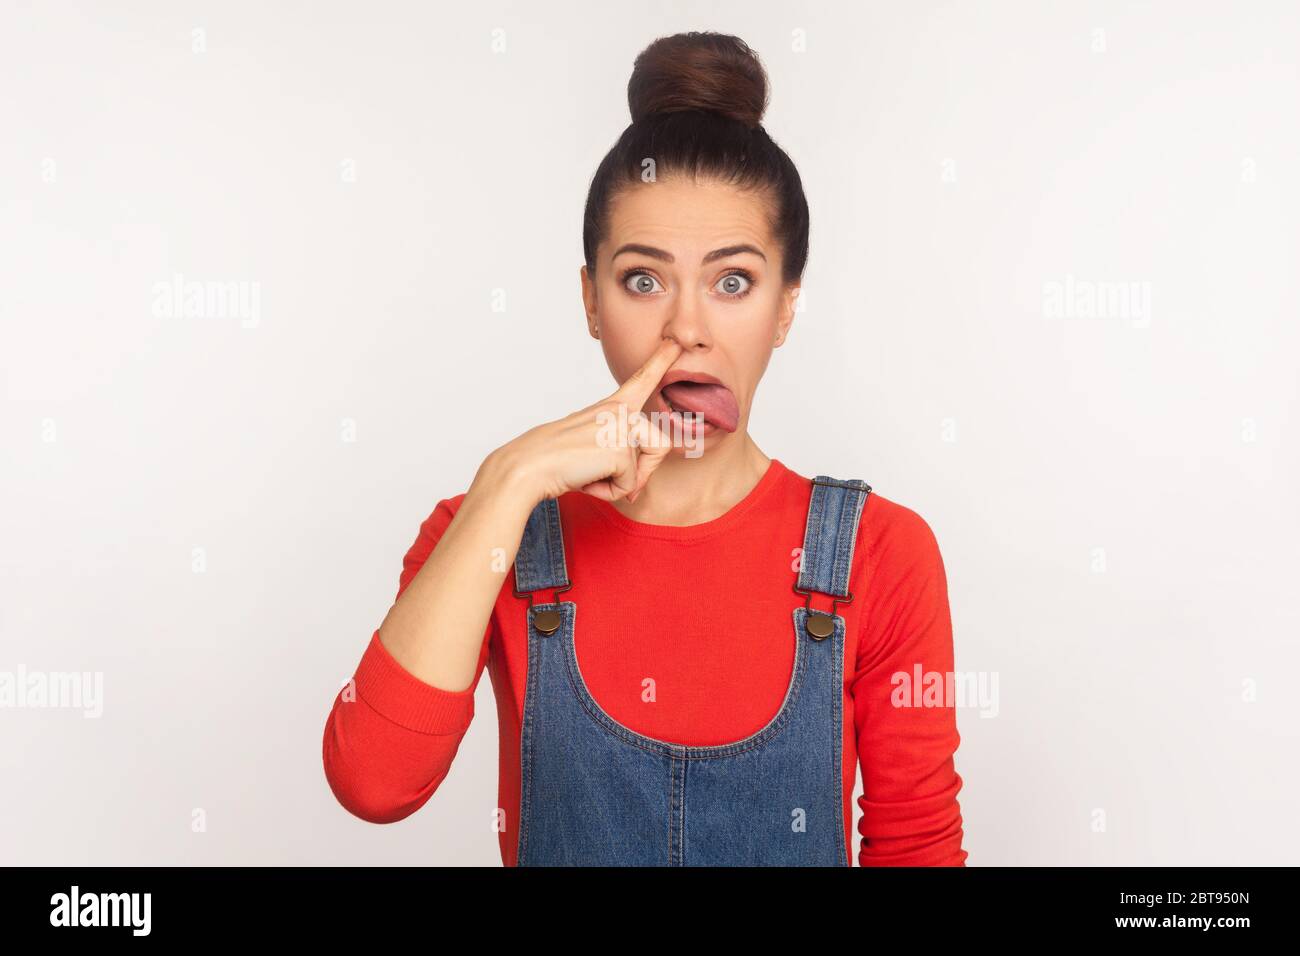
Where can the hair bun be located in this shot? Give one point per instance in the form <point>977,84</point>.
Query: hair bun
<point>712,72</point>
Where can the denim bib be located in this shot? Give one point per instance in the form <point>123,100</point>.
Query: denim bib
<point>596,793</point>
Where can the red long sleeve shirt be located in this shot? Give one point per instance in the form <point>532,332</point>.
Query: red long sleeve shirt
<point>721,662</point>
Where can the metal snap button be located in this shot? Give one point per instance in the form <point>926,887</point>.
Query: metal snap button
<point>548,622</point>
<point>820,626</point>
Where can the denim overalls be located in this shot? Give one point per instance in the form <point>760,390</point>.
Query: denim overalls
<point>595,793</point>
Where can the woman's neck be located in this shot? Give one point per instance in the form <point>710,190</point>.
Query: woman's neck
<point>686,491</point>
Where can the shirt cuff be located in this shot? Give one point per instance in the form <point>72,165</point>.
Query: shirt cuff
<point>403,698</point>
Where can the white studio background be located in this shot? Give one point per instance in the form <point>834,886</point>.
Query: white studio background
<point>212,511</point>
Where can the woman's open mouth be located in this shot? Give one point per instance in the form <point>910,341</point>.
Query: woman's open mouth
<point>711,400</point>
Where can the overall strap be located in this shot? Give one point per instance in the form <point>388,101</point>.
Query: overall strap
<point>831,532</point>
<point>539,564</point>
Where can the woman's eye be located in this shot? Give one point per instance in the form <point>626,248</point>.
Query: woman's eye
<point>642,282</point>
<point>734,284</point>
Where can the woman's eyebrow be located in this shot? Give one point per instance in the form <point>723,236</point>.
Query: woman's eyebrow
<point>668,256</point>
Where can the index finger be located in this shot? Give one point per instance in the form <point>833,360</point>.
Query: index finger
<point>641,384</point>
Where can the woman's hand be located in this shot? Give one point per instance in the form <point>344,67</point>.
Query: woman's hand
<point>437,626</point>
<point>608,450</point>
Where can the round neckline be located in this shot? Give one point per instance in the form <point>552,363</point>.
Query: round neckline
<point>693,532</point>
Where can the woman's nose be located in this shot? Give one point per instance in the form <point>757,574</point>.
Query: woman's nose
<point>689,327</point>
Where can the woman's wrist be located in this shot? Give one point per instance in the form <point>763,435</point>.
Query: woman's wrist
<point>503,479</point>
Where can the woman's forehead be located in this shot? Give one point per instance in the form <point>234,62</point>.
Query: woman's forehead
<point>689,215</point>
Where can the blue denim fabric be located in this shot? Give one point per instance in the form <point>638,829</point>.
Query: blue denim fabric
<point>596,793</point>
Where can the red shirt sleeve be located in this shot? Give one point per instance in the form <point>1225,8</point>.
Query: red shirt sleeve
<point>390,738</point>
<point>910,814</point>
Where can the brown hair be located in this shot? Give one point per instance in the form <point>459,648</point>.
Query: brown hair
<point>697,102</point>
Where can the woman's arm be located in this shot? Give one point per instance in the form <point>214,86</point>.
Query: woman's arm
<point>435,628</point>
<point>387,750</point>
<point>389,743</point>
<point>910,814</point>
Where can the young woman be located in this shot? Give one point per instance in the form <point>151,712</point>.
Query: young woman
<point>692,646</point>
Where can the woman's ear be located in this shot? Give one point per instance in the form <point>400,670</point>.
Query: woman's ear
<point>789,305</point>
<point>589,302</point>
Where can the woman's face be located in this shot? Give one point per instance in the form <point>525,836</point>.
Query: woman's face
<point>694,261</point>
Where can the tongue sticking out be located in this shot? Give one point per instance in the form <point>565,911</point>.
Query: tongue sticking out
<point>714,402</point>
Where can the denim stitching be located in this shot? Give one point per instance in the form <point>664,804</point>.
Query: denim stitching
<point>527,750</point>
